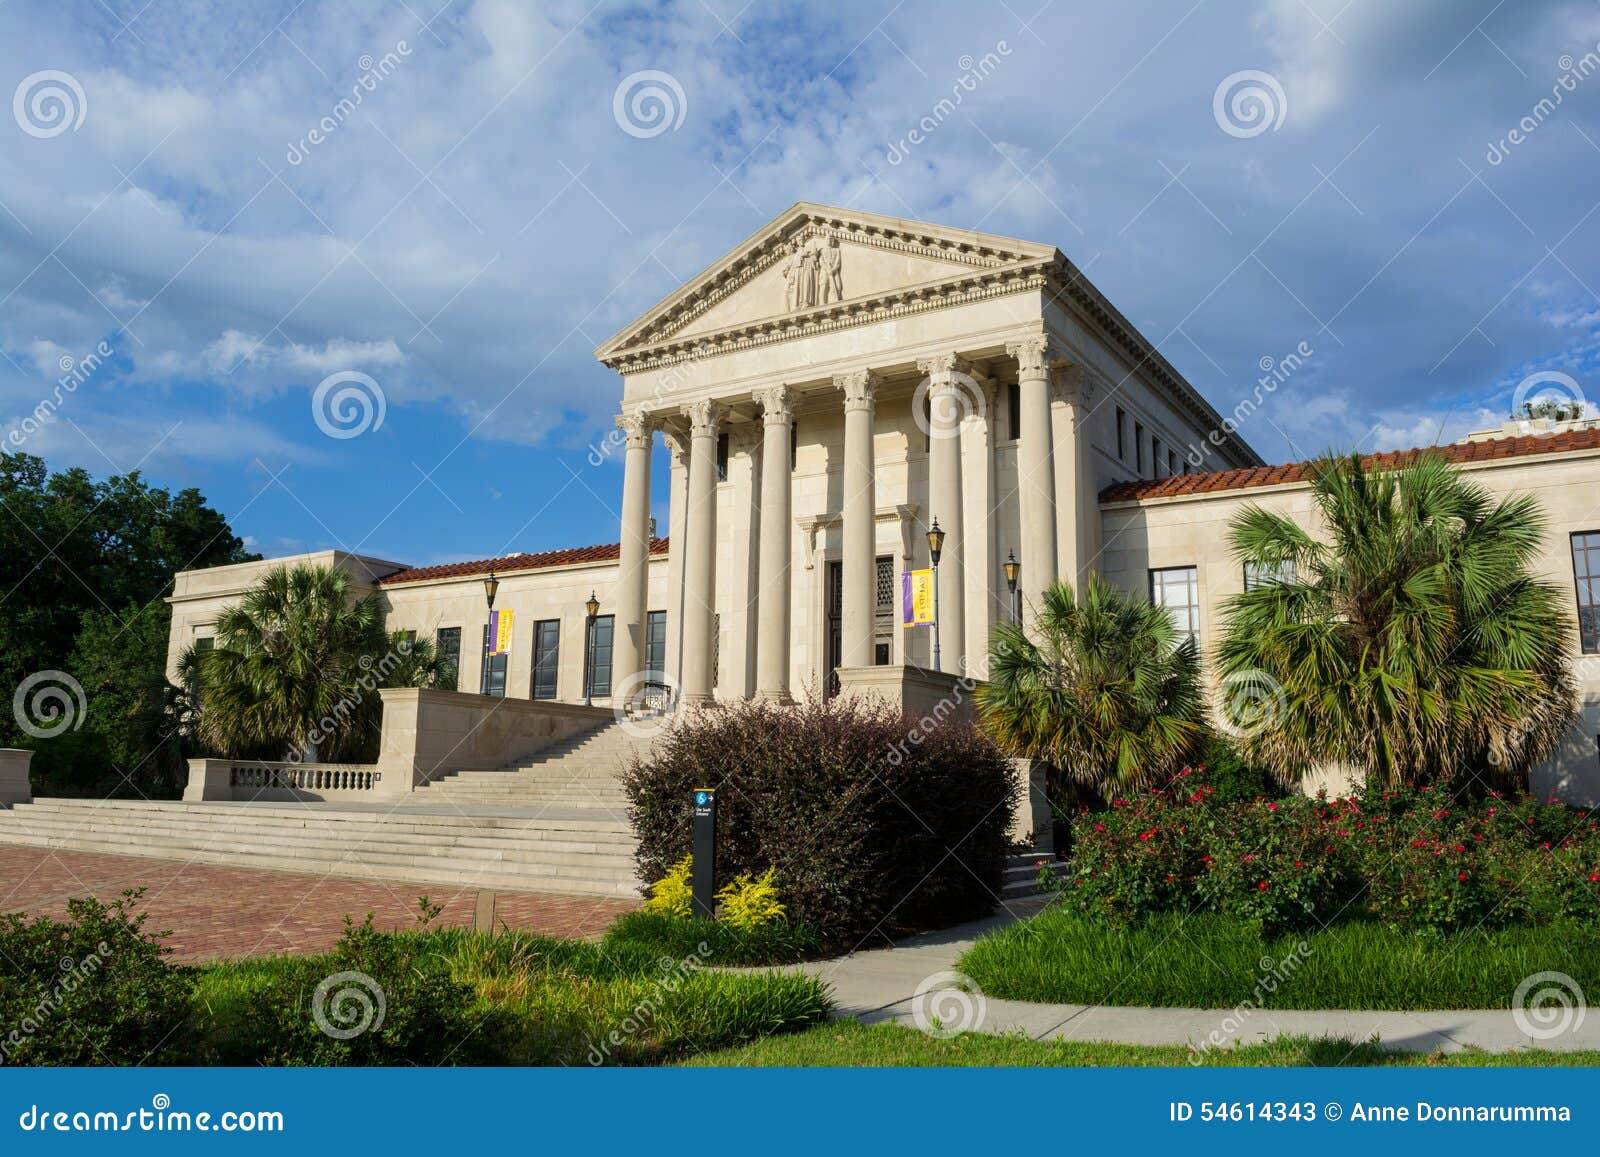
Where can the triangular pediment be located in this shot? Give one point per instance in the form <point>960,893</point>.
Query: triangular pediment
<point>817,262</point>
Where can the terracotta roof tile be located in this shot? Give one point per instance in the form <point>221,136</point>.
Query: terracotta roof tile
<point>515,563</point>
<point>1300,471</point>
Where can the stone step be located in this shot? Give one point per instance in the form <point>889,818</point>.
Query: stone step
<point>353,869</point>
<point>508,847</point>
<point>399,818</point>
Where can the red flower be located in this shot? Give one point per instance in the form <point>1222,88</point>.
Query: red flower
<point>1462,877</point>
<point>1262,885</point>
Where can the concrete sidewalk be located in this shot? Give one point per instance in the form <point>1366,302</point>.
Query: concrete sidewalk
<point>882,985</point>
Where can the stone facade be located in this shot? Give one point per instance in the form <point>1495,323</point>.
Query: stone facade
<point>825,391</point>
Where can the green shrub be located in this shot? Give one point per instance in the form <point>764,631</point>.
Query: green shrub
<point>1222,766</point>
<point>94,990</point>
<point>878,823</point>
<point>380,998</point>
<point>1412,859</point>
<point>712,942</point>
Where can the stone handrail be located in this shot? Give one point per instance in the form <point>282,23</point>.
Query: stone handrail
<point>247,779</point>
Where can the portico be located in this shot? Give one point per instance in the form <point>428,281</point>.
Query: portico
<point>816,436</point>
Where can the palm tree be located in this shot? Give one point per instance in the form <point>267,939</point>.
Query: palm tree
<point>1108,696</point>
<point>1414,643</point>
<point>296,667</point>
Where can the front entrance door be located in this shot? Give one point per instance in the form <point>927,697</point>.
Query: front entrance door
<point>883,620</point>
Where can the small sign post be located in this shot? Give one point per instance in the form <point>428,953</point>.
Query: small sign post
<point>705,852</point>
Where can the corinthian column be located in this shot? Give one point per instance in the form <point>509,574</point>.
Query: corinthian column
<point>950,400</point>
<point>700,552</point>
<point>858,606</point>
<point>772,635</point>
<point>633,559</point>
<point>1036,479</point>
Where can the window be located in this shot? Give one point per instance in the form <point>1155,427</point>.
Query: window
<point>883,626</point>
<point>447,646</point>
<point>1177,588</point>
<point>1138,447</point>
<point>546,657</point>
<point>1586,571</point>
<point>655,648</point>
<point>1172,464</point>
<point>716,650</point>
<point>599,658</point>
<point>794,450</point>
<point>722,457</point>
<point>204,643</point>
<point>1156,464</point>
<point>1259,576</point>
<point>1122,435</point>
<point>494,670</point>
<point>1014,410</point>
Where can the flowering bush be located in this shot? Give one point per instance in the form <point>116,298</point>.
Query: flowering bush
<point>673,894</point>
<point>1413,858</point>
<point>751,901</point>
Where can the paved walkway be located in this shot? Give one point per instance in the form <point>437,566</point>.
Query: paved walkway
<point>882,986</point>
<point>218,912</point>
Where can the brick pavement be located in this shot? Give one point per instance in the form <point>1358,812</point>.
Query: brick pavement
<point>216,912</point>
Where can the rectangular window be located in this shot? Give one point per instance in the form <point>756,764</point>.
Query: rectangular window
<point>716,650</point>
<point>546,657</point>
<point>883,631</point>
<point>794,449</point>
<point>1172,464</point>
<point>1586,572</point>
<point>1157,466</point>
<point>722,457</point>
<point>1014,410</point>
<point>1138,448</point>
<point>204,643</point>
<point>447,647</point>
<point>1122,435</point>
<point>599,664</point>
<point>1259,576</point>
<point>655,648</point>
<point>494,670</point>
<point>1177,588</point>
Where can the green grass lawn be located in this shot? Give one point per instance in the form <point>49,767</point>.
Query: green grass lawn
<point>848,1044</point>
<point>1208,961</point>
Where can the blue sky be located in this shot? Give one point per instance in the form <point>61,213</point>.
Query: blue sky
<point>469,233</point>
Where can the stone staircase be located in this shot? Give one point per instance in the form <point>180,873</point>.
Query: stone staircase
<point>580,772</point>
<point>1022,877</point>
<point>580,850</point>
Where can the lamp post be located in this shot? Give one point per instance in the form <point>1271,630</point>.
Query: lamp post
<point>1012,569</point>
<point>593,607</point>
<point>935,545</point>
<point>491,587</point>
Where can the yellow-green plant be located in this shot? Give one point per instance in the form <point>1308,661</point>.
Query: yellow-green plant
<point>673,895</point>
<point>750,902</point>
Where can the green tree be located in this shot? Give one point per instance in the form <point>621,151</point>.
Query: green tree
<point>1108,695</point>
<point>84,566</point>
<point>296,667</point>
<point>1414,643</point>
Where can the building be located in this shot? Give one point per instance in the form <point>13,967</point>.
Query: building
<point>830,388</point>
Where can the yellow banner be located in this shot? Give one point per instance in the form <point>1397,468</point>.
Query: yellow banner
<point>502,633</point>
<point>916,598</point>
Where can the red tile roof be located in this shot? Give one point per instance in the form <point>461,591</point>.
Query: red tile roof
<point>514,563</point>
<point>1186,484</point>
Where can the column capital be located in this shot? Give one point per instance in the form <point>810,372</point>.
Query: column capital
<point>1072,384</point>
<point>703,418</point>
<point>859,388</point>
<point>637,425</point>
<point>942,367</point>
<point>677,444</point>
<point>1034,354</point>
<point>777,405</point>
